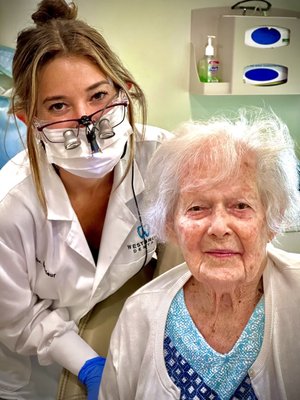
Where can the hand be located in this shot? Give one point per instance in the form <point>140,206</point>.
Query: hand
<point>90,375</point>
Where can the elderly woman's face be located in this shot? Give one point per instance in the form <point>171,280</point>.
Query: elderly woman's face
<point>221,229</point>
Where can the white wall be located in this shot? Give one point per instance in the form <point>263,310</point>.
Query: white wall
<point>152,39</point>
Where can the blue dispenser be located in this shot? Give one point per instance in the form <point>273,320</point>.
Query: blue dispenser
<point>265,74</point>
<point>267,36</point>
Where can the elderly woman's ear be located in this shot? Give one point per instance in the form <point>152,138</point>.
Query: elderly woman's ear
<point>271,235</point>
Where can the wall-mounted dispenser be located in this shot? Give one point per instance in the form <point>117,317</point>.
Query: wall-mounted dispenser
<point>265,74</point>
<point>259,53</point>
<point>267,36</point>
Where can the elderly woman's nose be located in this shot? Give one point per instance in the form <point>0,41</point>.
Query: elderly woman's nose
<point>219,223</point>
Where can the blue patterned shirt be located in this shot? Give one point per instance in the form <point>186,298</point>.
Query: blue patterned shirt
<point>199,371</point>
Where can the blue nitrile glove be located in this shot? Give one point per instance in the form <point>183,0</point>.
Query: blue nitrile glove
<point>90,375</point>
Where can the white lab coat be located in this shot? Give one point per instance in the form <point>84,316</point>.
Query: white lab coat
<point>135,367</point>
<point>48,277</point>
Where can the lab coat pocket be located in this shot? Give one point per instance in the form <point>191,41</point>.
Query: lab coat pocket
<point>17,371</point>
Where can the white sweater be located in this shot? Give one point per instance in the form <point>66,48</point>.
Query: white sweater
<point>135,367</point>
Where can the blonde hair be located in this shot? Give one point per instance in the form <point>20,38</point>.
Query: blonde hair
<point>57,31</point>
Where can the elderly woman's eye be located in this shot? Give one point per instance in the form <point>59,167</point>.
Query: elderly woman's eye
<point>242,206</point>
<point>195,208</point>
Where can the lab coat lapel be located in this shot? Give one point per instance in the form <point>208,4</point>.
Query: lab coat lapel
<point>121,216</point>
<point>59,209</point>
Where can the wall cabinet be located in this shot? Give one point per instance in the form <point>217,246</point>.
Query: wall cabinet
<point>238,59</point>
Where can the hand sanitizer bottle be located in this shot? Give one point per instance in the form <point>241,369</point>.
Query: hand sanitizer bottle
<point>209,66</point>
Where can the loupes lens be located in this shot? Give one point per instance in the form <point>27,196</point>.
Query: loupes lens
<point>113,117</point>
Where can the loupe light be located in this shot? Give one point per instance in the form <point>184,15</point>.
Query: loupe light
<point>71,140</point>
<point>105,129</point>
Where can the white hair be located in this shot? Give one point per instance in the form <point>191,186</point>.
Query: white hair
<point>253,131</point>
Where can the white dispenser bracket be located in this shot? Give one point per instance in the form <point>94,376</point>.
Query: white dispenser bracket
<point>235,54</point>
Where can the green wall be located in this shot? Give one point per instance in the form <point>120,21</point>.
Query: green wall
<point>286,106</point>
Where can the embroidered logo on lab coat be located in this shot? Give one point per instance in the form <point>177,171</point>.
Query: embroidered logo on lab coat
<point>143,232</point>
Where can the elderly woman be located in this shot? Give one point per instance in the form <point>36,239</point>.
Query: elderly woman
<point>223,324</point>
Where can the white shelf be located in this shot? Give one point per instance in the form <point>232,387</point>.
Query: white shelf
<point>198,87</point>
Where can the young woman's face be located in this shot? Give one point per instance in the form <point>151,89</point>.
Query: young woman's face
<point>70,87</point>
<point>222,229</point>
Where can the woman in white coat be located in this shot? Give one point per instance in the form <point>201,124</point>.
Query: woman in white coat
<point>71,231</point>
<point>224,324</point>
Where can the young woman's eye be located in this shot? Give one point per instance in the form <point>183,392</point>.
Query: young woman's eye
<point>57,107</point>
<point>99,96</point>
